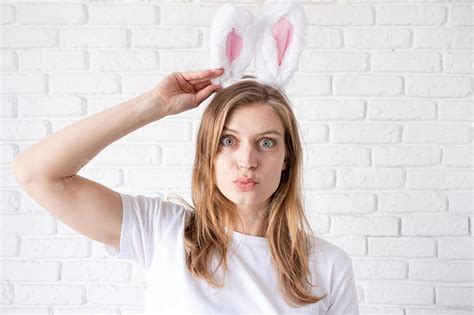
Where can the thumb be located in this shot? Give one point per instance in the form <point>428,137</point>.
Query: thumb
<point>204,93</point>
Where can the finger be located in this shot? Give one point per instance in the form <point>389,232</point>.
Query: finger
<point>198,76</point>
<point>204,93</point>
<point>201,85</point>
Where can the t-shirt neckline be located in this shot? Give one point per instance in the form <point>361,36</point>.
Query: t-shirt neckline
<point>246,238</point>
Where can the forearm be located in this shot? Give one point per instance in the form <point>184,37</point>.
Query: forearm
<point>66,151</point>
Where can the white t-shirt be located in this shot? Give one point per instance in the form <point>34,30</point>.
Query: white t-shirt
<point>152,237</point>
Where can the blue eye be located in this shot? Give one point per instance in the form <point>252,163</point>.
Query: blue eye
<point>265,140</point>
<point>223,138</point>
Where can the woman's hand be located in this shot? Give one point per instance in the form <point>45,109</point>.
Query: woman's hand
<point>181,91</point>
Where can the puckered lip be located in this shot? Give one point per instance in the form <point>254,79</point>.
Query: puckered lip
<point>245,180</point>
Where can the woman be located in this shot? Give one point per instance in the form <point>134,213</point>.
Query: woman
<point>245,246</point>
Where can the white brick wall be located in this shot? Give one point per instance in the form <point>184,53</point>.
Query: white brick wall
<point>384,99</point>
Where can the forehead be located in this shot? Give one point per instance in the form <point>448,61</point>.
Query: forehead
<point>254,119</point>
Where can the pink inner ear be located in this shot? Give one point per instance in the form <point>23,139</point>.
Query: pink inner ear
<point>233,45</point>
<point>282,31</point>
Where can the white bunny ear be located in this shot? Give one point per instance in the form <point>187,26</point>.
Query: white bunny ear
<point>283,29</point>
<point>232,42</point>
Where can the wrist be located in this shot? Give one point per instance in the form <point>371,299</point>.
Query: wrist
<point>150,107</point>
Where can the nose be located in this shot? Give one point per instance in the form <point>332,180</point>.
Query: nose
<point>246,157</point>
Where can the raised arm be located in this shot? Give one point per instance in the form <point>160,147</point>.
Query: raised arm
<point>48,169</point>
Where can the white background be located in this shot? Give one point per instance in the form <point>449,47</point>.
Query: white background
<point>383,94</point>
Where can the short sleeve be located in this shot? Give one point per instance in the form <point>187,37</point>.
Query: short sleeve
<point>145,219</point>
<point>343,293</point>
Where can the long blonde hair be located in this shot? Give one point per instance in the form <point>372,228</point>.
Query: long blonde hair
<point>287,229</point>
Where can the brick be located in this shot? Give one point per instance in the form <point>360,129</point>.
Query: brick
<point>411,15</point>
<point>412,201</point>
<point>23,130</point>
<point>444,38</point>
<point>461,202</point>
<point>8,152</point>
<point>435,310</point>
<point>7,15</point>
<point>371,269</point>
<point>8,61</point>
<point>120,61</point>
<point>459,62</point>
<point>370,178</point>
<point>50,106</point>
<point>309,84</point>
<point>9,201</point>
<point>321,109</point>
<point>96,271</point>
<point>341,203</point>
<point>455,110</point>
<point>54,248</point>
<point>160,178</point>
<point>116,14</point>
<point>437,133</point>
<point>130,154</point>
<point>16,270</point>
<point>365,133</point>
<point>31,224</point>
<point>438,86</point>
<point>182,60</point>
<point>313,133</point>
<point>337,156</point>
<point>418,61</point>
<point>455,296</point>
<point>165,130</point>
<point>323,38</point>
<point>8,294</point>
<point>370,226</point>
<point>441,270</point>
<point>377,38</point>
<point>334,61</point>
<point>319,179</point>
<point>19,83</point>
<point>352,245</point>
<point>166,38</point>
<point>458,157</point>
<point>439,179</point>
<point>116,296</point>
<point>27,37</point>
<point>461,15</point>
<point>134,84</point>
<point>400,293</point>
<point>320,224</point>
<point>456,248</point>
<point>402,246</point>
<point>7,106</point>
<point>84,83</point>
<point>94,38</point>
<point>367,85</point>
<point>374,310</point>
<point>401,109</point>
<point>51,60</point>
<point>434,225</point>
<point>189,14</point>
<point>340,15</point>
<point>9,246</point>
<point>182,155</point>
<point>53,294</point>
<point>51,13</point>
<point>406,156</point>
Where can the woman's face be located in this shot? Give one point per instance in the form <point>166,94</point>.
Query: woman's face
<point>248,151</point>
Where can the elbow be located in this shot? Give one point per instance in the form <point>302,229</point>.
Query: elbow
<point>19,172</point>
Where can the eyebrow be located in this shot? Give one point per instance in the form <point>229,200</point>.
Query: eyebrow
<point>263,133</point>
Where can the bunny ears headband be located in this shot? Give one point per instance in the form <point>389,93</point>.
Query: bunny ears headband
<point>274,39</point>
